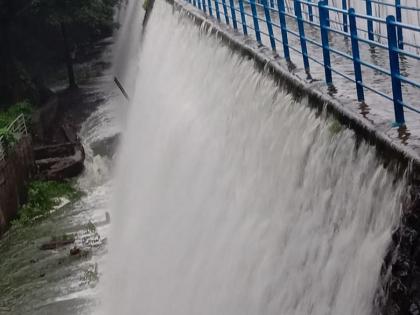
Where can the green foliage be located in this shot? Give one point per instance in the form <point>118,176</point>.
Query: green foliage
<point>335,127</point>
<point>43,196</point>
<point>39,35</point>
<point>7,139</point>
<point>9,115</point>
<point>62,237</point>
<point>92,15</point>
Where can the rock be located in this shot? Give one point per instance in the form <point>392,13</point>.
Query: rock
<point>54,150</point>
<point>69,134</point>
<point>75,251</point>
<point>79,252</point>
<point>106,147</point>
<point>65,161</point>
<point>54,244</point>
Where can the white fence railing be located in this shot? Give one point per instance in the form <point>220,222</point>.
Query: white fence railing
<point>18,129</point>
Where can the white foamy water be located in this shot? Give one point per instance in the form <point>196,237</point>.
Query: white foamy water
<point>127,46</point>
<point>232,198</point>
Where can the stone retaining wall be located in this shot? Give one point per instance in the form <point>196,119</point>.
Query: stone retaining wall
<point>15,173</point>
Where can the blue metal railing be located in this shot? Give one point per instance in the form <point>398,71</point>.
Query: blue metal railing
<point>278,20</point>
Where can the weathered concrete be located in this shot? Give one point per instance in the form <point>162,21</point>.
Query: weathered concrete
<point>15,173</point>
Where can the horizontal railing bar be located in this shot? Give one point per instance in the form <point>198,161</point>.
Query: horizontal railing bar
<point>394,6</point>
<point>330,26</point>
<point>411,108</point>
<point>372,43</point>
<point>312,4</point>
<point>341,53</point>
<point>376,91</point>
<point>370,18</point>
<point>407,80</point>
<point>408,54</point>
<point>338,10</point>
<point>411,45</point>
<point>376,68</point>
<point>406,26</point>
<point>338,32</point>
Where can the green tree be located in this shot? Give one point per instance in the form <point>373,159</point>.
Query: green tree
<point>78,21</point>
<point>36,35</point>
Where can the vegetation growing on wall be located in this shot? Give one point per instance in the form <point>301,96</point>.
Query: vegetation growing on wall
<point>7,117</point>
<point>10,114</point>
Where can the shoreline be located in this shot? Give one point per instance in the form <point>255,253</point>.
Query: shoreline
<point>54,130</point>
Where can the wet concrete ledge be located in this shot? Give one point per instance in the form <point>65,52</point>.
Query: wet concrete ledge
<point>389,149</point>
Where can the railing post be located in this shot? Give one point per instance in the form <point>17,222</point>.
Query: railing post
<point>301,27</point>
<point>345,22</point>
<point>243,17</point>
<point>324,20</point>
<point>216,7</point>
<point>369,21</point>
<point>310,12</point>
<point>255,19</point>
<point>233,14</point>
<point>269,25</point>
<point>395,70</point>
<point>356,55</point>
<point>399,28</point>
<point>210,8</point>
<point>283,26</point>
<point>225,11</point>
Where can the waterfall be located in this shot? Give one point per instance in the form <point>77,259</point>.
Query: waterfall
<point>127,46</point>
<point>232,198</point>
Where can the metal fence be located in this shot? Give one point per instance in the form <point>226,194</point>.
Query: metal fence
<point>279,20</point>
<point>17,129</point>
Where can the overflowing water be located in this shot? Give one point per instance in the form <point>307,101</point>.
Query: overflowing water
<point>127,46</point>
<point>233,198</point>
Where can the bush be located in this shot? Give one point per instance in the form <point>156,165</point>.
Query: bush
<point>43,196</point>
<point>9,115</point>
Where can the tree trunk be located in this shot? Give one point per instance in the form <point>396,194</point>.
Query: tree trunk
<point>69,61</point>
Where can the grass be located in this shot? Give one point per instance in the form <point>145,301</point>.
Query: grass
<point>43,197</point>
<point>9,115</point>
<point>8,139</point>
